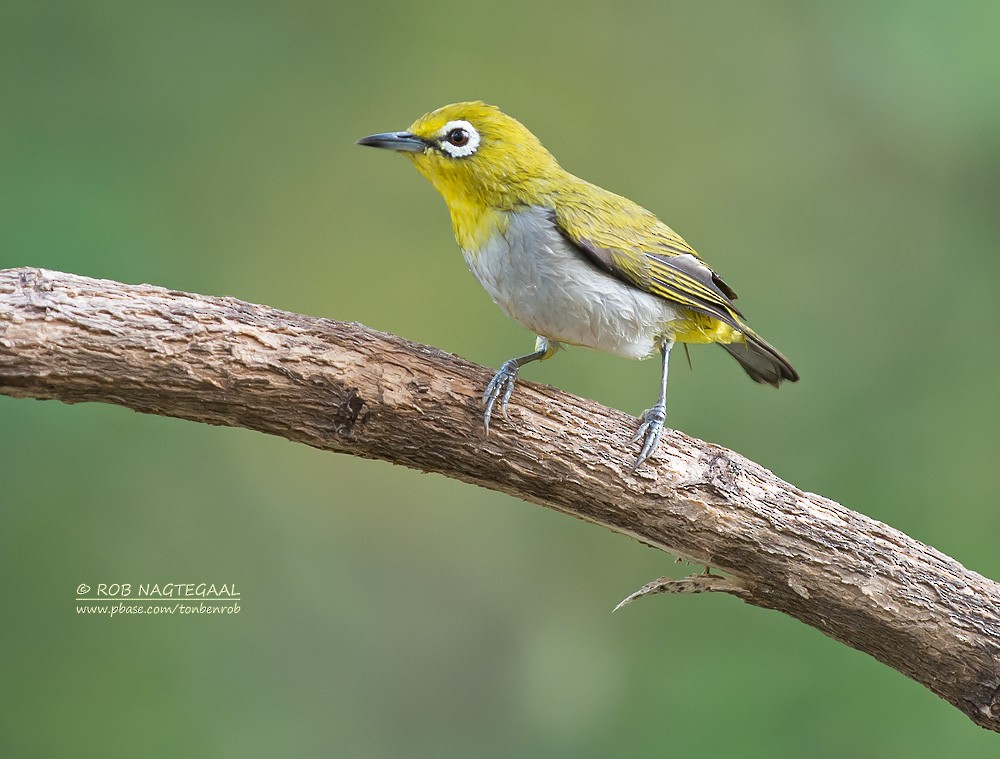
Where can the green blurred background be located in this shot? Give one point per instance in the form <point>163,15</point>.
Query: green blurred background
<point>838,163</point>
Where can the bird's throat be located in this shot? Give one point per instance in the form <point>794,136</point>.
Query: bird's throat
<point>475,223</point>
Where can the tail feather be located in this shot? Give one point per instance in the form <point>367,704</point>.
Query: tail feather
<point>761,360</point>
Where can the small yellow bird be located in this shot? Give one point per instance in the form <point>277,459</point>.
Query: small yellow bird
<point>572,262</point>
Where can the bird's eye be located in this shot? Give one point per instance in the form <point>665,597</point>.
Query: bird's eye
<point>458,139</point>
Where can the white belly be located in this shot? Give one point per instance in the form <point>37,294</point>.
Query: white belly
<point>540,281</point>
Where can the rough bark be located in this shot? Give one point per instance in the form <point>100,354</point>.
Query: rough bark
<point>345,388</point>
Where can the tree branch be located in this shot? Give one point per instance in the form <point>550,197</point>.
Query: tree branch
<point>345,388</point>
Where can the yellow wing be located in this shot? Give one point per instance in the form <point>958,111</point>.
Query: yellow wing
<point>630,243</point>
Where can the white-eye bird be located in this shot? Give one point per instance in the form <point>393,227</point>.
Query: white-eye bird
<point>572,262</point>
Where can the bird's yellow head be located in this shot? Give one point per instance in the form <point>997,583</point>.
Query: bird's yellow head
<point>478,158</point>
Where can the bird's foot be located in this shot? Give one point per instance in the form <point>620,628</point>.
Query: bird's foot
<point>649,432</point>
<point>500,387</point>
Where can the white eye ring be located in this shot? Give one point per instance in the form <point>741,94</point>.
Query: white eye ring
<point>456,148</point>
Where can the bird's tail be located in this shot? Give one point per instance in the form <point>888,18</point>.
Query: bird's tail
<point>761,360</point>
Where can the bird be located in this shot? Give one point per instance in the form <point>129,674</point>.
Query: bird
<point>574,263</point>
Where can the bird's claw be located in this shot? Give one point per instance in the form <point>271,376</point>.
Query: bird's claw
<point>501,386</point>
<point>649,432</point>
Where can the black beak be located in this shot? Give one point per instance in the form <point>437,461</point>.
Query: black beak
<point>399,141</point>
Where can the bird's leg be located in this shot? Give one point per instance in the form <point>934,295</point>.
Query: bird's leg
<point>502,384</point>
<point>652,419</point>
